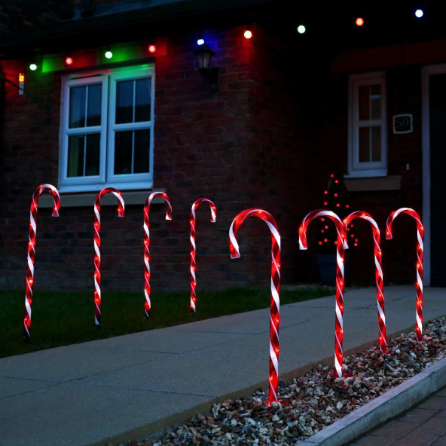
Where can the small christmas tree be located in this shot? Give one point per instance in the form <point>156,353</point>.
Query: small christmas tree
<point>338,201</point>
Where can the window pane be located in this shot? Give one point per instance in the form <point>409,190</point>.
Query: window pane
<point>92,154</point>
<point>94,105</point>
<point>364,145</point>
<point>77,107</point>
<point>369,144</point>
<point>75,156</point>
<point>142,151</point>
<point>124,102</point>
<point>364,102</point>
<point>142,99</point>
<point>123,153</point>
<point>375,99</point>
<point>376,144</point>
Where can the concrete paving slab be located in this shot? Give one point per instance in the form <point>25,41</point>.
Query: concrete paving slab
<point>17,386</point>
<point>72,414</point>
<point>63,364</point>
<point>105,388</point>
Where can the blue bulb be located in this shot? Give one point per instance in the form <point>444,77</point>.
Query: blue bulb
<point>419,13</point>
<point>200,41</point>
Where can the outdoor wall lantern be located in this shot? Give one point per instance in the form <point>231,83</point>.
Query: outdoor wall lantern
<point>204,54</point>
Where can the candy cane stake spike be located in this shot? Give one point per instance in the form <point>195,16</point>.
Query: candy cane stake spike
<point>419,264</point>
<point>32,249</point>
<point>97,246</point>
<point>378,274</point>
<point>341,244</point>
<point>275,289</point>
<point>193,249</point>
<point>165,197</point>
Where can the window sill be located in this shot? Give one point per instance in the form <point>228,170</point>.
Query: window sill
<point>87,199</point>
<point>391,182</point>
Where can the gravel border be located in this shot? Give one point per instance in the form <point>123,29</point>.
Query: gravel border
<point>386,406</point>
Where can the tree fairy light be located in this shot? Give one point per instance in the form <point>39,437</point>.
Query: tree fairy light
<point>247,34</point>
<point>275,288</point>
<point>359,21</point>
<point>301,29</point>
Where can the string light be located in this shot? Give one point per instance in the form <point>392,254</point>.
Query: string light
<point>200,41</point>
<point>152,48</point>
<point>33,67</point>
<point>69,60</point>
<point>301,29</point>
<point>108,54</point>
<point>248,34</point>
<point>419,13</point>
<point>359,21</point>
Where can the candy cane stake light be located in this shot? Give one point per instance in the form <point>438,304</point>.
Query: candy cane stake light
<point>97,247</point>
<point>32,249</point>
<point>341,244</point>
<point>378,273</point>
<point>193,249</point>
<point>419,264</point>
<point>275,289</point>
<point>165,197</point>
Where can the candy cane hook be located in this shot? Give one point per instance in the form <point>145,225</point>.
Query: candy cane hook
<point>165,197</point>
<point>341,244</point>
<point>193,249</point>
<point>419,264</point>
<point>378,273</point>
<point>275,289</point>
<point>97,246</point>
<point>32,249</point>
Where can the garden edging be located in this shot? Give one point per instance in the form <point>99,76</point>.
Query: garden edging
<point>386,406</point>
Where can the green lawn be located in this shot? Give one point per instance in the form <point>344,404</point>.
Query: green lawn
<point>68,318</point>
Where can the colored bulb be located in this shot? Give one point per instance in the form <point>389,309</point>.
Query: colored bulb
<point>152,48</point>
<point>301,29</point>
<point>200,42</point>
<point>69,60</point>
<point>108,54</point>
<point>21,77</point>
<point>419,13</point>
<point>33,67</point>
<point>359,21</point>
<point>248,34</point>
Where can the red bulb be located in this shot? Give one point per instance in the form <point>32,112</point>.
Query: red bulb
<point>69,60</point>
<point>359,21</point>
<point>152,48</point>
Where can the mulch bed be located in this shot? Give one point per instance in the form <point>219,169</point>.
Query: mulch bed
<point>312,401</point>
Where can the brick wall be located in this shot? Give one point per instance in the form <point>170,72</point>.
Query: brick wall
<point>269,137</point>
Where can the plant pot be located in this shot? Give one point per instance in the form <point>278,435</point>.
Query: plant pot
<point>327,268</point>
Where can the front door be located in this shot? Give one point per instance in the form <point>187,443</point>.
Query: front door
<point>434,173</point>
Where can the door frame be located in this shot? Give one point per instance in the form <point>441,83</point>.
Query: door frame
<point>426,72</point>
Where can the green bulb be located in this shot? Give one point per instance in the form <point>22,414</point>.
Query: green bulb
<point>33,67</point>
<point>108,54</point>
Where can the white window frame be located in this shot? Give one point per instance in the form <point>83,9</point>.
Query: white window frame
<point>106,177</point>
<point>369,169</point>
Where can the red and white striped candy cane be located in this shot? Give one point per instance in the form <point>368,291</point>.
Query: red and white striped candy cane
<point>97,246</point>
<point>32,249</point>
<point>275,289</point>
<point>378,273</point>
<point>419,264</point>
<point>341,244</point>
<point>165,197</point>
<point>193,249</point>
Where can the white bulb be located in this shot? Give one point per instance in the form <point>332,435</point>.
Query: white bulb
<point>419,13</point>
